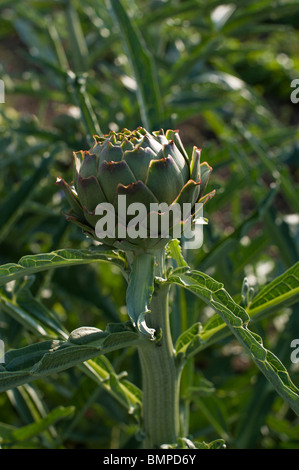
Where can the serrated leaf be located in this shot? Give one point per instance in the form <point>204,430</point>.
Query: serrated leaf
<point>32,264</point>
<point>236,318</point>
<point>282,291</point>
<point>31,313</point>
<point>140,290</point>
<point>41,359</point>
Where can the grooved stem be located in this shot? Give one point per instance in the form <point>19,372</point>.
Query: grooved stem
<point>161,378</point>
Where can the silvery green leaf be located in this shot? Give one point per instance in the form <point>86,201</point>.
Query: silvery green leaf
<point>140,290</point>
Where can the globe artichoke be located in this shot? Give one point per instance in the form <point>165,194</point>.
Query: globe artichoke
<point>148,168</point>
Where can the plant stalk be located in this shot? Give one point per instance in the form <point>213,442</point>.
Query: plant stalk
<point>160,376</point>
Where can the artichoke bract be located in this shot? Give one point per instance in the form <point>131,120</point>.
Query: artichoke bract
<point>129,169</point>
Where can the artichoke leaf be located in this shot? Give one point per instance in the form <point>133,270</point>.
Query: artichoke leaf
<point>139,292</point>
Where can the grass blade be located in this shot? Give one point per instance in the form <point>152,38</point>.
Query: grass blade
<point>11,208</point>
<point>142,66</point>
<point>52,356</point>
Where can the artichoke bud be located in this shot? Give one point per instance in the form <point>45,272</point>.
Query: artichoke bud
<point>129,189</point>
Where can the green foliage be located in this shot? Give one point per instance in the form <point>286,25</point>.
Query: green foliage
<point>221,75</point>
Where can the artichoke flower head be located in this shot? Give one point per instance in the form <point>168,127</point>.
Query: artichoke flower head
<point>129,167</point>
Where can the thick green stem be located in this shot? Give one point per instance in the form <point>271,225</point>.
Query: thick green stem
<point>161,377</point>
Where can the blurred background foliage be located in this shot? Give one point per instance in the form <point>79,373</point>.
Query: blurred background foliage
<point>220,73</point>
